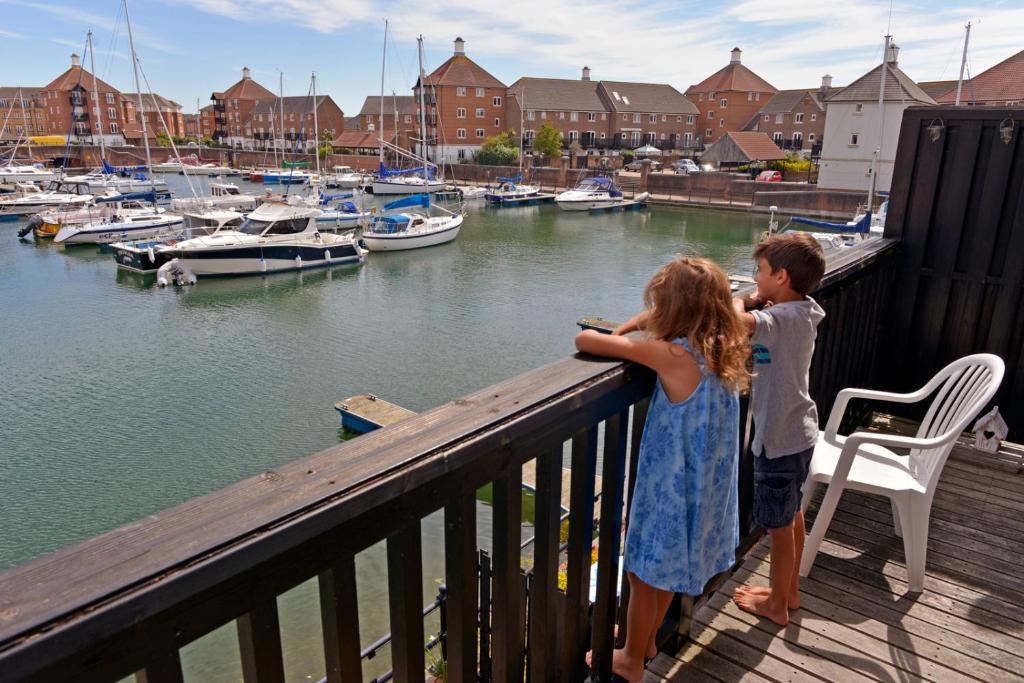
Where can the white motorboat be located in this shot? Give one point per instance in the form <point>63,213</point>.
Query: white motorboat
<point>11,174</point>
<point>590,193</point>
<point>29,199</point>
<point>405,184</point>
<point>222,196</point>
<point>99,182</point>
<point>120,228</point>
<point>144,256</point>
<point>346,177</point>
<point>510,188</point>
<point>48,223</point>
<point>275,237</point>
<point>412,229</point>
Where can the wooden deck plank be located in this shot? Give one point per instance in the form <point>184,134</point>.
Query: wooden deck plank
<point>859,622</point>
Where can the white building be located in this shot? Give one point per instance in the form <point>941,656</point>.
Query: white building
<point>852,127</point>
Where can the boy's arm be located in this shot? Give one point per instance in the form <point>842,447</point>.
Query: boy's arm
<point>637,322</point>
<point>740,305</point>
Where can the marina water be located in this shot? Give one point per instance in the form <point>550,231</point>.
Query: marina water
<point>119,399</point>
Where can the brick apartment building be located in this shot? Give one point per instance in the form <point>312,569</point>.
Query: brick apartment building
<point>603,115</point>
<point>728,99</point>
<point>399,115</point>
<point>795,119</point>
<point>68,106</point>
<point>464,105</point>
<point>21,121</point>
<point>1002,86</point>
<point>264,128</point>
<point>167,110</point>
<point>232,108</point>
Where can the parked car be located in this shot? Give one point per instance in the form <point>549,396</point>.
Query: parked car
<point>638,164</point>
<point>685,166</point>
<point>769,177</point>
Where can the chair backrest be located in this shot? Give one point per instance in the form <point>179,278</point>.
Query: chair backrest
<point>965,387</point>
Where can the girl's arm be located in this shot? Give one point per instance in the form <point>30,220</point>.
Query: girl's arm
<point>677,369</point>
<point>637,322</point>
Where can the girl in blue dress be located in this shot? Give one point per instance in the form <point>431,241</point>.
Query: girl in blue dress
<point>683,526</point>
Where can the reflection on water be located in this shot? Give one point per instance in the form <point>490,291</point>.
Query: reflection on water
<point>121,398</point>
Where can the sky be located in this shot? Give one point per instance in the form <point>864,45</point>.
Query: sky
<point>191,48</point>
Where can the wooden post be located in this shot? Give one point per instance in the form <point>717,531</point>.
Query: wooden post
<point>645,170</point>
<point>563,171</point>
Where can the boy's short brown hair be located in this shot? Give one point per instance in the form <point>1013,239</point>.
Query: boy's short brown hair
<point>799,253</point>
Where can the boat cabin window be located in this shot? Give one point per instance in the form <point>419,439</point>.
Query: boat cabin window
<point>253,227</point>
<point>289,226</point>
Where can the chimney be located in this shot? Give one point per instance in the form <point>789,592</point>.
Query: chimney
<point>826,82</point>
<point>586,73</point>
<point>460,46</point>
<point>75,60</point>
<point>245,73</point>
<point>735,58</point>
<point>892,56</point>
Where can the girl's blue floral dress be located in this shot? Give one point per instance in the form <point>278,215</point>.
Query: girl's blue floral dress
<point>683,525</point>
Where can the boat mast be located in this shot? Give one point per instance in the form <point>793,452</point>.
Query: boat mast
<point>522,133</point>
<point>96,95</point>
<point>881,126</point>
<point>138,93</point>
<point>199,128</point>
<point>423,111</point>
<point>963,63</point>
<point>280,100</point>
<point>25,127</point>
<point>273,130</point>
<point>383,61</point>
<point>316,128</point>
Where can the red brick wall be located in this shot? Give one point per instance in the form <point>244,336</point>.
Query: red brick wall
<point>448,122</point>
<point>739,109</point>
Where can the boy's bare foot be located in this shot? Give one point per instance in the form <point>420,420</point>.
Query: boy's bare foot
<point>761,606</point>
<point>793,602</point>
<point>623,666</point>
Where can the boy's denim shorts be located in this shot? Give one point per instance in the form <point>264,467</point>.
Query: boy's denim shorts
<point>778,487</point>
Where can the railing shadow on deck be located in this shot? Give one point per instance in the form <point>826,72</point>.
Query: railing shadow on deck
<point>127,601</point>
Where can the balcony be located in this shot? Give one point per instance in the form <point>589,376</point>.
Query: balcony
<point>219,106</point>
<point>80,118</point>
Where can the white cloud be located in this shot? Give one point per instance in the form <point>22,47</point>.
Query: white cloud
<point>9,34</point>
<point>325,16</point>
<point>77,44</point>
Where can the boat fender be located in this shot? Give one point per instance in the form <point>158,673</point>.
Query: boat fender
<point>263,265</point>
<point>298,261</point>
<point>327,255</point>
<point>150,254</point>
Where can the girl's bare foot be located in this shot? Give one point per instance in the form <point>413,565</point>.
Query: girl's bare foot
<point>623,666</point>
<point>793,602</point>
<point>649,654</point>
<point>761,605</point>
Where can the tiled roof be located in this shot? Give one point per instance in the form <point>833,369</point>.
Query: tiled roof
<point>461,70</point>
<point>1004,82</point>
<point>653,98</point>
<point>297,104</point>
<point>406,104</point>
<point>76,75</point>
<point>743,147</point>
<point>786,101</point>
<point>15,93</point>
<point>936,88</point>
<point>163,103</point>
<point>732,77</point>
<point>245,89</point>
<point>352,122</point>
<point>355,139</point>
<point>898,88</point>
<point>558,94</point>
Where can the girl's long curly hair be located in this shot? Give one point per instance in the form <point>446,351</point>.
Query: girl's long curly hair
<point>691,298</point>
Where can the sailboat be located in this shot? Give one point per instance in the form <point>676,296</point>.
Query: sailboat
<point>513,187</point>
<point>404,181</point>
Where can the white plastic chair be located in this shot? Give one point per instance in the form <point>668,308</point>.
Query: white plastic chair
<point>864,462</point>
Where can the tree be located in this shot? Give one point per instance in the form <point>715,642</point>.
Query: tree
<point>498,150</point>
<point>548,141</point>
<point>325,147</point>
<point>163,140</point>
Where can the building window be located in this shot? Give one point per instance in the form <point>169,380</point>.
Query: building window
<point>602,136</point>
<point>798,118</point>
<point>460,113</point>
<point>679,119</point>
<point>707,132</point>
<point>767,117</point>
<point>779,118</point>
<point>687,139</point>
<point>110,98</point>
<point>634,138</point>
<point>701,96</point>
<point>561,114</point>
<point>408,118</point>
<point>460,133</point>
<point>462,154</point>
<point>479,112</point>
<point>798,140</point>
<point>460,91</point>
<point>530,115</point>
<point>721,123</point>
<point>479,132</point>
<point>690,119</point>
<point>810,138</point>
<point>603,116</point>
<point>591,116</point>
<point>711,115</point>
<point>653,118</point>
<point>543,114</point>
<point>636,118</point>
<point>496,101</point>
<point>650,138</point>
<point>497,122</point>
<point>111,113</point>
<point>574,136</point>
<point>814,117</point>
<point>858,108</point>
<point>479,92</point>
<point>574,116</point>
<point>777,138</point>
<point>625,117</point>
<point>711,96</point>
<point>854,139</point>
<point>757,97</point>
<point>750,97</point>
<point>113,128</point>
<point>723,103</point>
<point>530,134</point>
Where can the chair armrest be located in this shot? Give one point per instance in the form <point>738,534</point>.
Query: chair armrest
<point>858,439</point>
<point>844,396</point>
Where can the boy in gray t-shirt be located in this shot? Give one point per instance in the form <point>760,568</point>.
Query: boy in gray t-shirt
<point>785,418</point>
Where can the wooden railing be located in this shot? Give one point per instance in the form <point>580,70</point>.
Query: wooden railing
<point>128,601</point>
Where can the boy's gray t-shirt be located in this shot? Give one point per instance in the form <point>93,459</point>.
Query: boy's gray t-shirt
<point>785,417</point>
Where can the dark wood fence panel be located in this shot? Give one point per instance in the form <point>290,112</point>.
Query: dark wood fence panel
<point>957,204</point>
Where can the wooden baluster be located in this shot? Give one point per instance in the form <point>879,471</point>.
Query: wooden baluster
<point>636,434</point>
<point>405,600</point>
<point>581,534</point>
<point>507,643</point>
<point>259,643</point>
<point>609,540</point>
<point>485,616</point>
<point>339,613</point>
<point>545,567</point>
<point>460,577</point>
<point>165,669</point>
